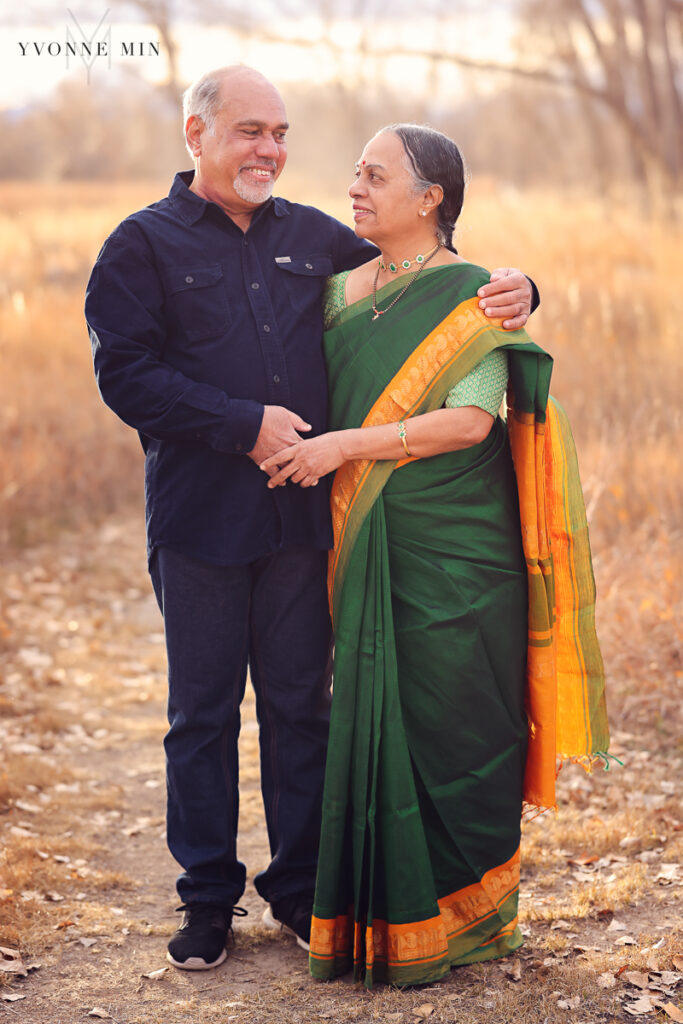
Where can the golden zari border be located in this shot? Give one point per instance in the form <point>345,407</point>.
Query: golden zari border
<point>419,942</point>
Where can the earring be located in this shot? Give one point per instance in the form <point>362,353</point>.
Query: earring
<point>423,213</point>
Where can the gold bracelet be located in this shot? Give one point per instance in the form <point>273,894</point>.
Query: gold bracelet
<point>402,435</point>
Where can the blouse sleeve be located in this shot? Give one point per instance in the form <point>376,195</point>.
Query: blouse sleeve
<point>484,386</point>
<point>334,297</point>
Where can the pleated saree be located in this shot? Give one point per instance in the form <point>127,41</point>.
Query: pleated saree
<point>466,660</point>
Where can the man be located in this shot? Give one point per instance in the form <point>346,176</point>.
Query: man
<point>205,318</point>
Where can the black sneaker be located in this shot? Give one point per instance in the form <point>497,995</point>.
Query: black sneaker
<point>199,943</point>
<point>292,915</point>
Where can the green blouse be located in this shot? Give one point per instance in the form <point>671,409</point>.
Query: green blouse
<point>483,387</point>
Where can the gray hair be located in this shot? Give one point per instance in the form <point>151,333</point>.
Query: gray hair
<point>202,99</point>
<point>434,159</point>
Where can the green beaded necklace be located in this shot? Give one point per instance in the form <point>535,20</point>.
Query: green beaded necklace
<point>405,264</point>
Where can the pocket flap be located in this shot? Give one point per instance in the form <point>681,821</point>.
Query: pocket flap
<point>182,278</point>
<point>317,265</point>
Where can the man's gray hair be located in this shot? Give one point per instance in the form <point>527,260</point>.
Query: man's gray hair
<point>202,98</point>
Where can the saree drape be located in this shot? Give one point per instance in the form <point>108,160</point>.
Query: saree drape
<point>466,659</point>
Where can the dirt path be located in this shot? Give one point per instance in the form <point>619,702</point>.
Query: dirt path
<point>87,885</point>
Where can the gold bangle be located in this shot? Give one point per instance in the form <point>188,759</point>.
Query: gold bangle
<point>402,435</point>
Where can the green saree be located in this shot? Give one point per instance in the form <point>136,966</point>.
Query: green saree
<point>429,590</point>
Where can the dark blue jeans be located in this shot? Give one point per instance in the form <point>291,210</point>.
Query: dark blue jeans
<point>273,616</point>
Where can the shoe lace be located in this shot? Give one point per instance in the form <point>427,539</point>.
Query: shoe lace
<point>202,910</point>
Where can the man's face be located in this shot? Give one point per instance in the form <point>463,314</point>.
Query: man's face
<point>239,162</point>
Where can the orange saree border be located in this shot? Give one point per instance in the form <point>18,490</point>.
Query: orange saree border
<point>419,942</point>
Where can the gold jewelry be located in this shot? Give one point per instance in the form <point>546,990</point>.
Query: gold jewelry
<point>402,435</point>
<point>405,264</point>
<point>381,312</point>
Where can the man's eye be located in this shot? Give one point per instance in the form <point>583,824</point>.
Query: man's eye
<point>281,137</point>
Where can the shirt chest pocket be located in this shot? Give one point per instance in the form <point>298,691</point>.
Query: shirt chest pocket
<point>304,280</point>
<point>199,300</point>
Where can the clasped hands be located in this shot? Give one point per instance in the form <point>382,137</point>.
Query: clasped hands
<point>283,454</point>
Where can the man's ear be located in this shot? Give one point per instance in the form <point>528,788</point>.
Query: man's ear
<point>193,134</point>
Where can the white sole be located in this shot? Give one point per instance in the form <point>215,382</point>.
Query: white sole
<point>196,963</point>
<point>278,926</point>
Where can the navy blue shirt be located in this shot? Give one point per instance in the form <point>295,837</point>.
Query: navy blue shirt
<point>195,326</point>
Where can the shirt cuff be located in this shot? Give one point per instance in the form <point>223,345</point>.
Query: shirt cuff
<point>241,428</point>
<point>535,297</point>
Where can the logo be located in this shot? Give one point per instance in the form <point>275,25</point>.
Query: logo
<point>88,50</point>
<point>90,47</point>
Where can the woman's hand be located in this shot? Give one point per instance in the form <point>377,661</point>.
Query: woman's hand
<point>306,461</point>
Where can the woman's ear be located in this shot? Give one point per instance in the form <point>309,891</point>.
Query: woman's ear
<point>432,198</point>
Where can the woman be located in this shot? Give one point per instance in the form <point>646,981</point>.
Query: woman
<point>446,660</point>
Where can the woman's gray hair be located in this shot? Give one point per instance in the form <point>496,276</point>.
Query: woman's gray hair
<point>433,159</point>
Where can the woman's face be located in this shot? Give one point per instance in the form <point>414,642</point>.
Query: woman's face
<point>384,201</point>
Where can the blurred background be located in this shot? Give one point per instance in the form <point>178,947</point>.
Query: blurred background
<point>569,116</point>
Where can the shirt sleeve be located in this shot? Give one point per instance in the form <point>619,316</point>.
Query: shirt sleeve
<point>125,311</point>
<point>484,386</point>
<point>349,250</point>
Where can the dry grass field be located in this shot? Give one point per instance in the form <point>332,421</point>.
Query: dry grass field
<point>86,895</point>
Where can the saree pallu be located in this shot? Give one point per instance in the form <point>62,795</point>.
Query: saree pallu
<point>451,682</point>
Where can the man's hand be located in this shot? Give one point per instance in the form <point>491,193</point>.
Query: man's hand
<point>508,294</point>
<point>278,430</point>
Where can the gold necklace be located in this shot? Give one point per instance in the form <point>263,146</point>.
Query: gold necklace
<point>381,312</point>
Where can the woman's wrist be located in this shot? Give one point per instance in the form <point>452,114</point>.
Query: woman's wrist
<point>348,440</point>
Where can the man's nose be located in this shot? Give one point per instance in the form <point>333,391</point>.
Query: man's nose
<point>268,147</point>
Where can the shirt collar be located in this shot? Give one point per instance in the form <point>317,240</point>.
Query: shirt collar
<point>192,207</point>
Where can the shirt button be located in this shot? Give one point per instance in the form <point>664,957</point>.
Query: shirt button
<point>309,266</point>
<point>276,379</point>
<point>266,328</point>
<point>189,279</point>
<point>255,285</point>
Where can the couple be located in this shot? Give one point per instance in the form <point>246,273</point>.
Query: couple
<point>458,676</point>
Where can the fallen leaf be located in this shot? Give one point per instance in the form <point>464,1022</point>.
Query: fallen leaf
<point>512,971</point>
<point>569,1004</point>
<point>645,1004</point>
<point>625,940</point>
<point>582,860</point>
<point>97,1011</point>
<point>672,1011</point>
<point>561,926</point>
<point>11,997</point>
<point>87,942</point>
<point>616,926</point>
<point>607,980</point>
<point>53,897</point>
<point>9,953</point>
<point>424,1011</point>
<point>159,973</point>
<point>13,967</point>
<point>64,924</point>
<point>678,963</point>
<point>637,978</point>
<point>668,977</point>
